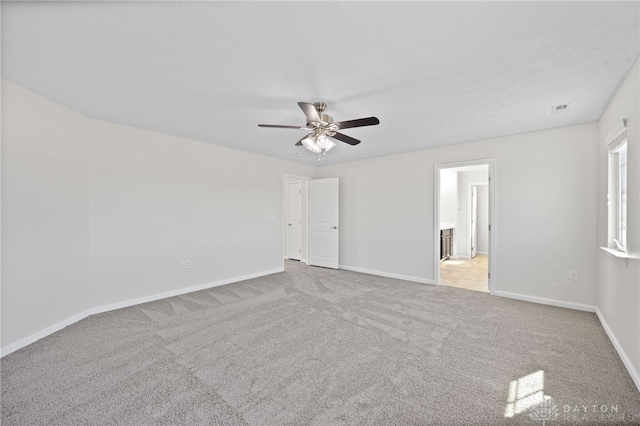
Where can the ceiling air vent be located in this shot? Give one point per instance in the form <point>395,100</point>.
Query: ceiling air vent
<point>557,109</point>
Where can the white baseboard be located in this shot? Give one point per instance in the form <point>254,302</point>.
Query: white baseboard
<point>545,301</point>
<point>178,292</point>
<point>387,275</point>
<point>623,356</point>
<point>12,347</point>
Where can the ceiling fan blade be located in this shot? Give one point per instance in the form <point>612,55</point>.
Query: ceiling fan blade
<point>359,122</point>
<point>281,126</point>
<point>344,138</point>
<point>310,111</point>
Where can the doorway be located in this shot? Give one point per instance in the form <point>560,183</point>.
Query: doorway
<point>464,201</point>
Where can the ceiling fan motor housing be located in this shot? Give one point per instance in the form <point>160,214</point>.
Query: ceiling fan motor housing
<point>325,118</point>
<point>320,108</point>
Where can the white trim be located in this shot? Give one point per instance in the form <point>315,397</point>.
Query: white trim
<point>621,256</point>
<point>617,132</point>
<point>623,356</point>
<point>12,347</point>
<point>43,333</point>
<point>457,257</point>
<point>545,301</point>
<point>388,275</point>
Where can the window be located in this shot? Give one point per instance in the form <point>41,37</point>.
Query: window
<point>618,190</point>
<point>621,227</point>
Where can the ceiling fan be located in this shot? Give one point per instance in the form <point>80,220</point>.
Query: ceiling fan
<point>324,128</point>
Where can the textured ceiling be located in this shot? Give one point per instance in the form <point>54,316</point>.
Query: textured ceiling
<point>434,73</point>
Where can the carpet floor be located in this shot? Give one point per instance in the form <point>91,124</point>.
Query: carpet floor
<point>325,347</point>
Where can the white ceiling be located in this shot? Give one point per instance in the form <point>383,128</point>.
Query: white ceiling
<point>434,73</point>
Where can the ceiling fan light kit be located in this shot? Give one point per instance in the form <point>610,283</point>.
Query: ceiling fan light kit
<point>317,143</point>
<point>324,128</point>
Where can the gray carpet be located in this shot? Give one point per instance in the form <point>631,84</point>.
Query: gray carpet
<point>318,346</point>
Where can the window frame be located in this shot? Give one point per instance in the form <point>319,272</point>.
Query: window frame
<point>617,190</point>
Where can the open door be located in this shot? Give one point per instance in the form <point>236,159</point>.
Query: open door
<point>323,222</point>
<point>473,228</point>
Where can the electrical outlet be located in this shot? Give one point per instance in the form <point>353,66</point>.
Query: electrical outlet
<point>573,275</point>
<point>187,264</point>
<point>181,264</point>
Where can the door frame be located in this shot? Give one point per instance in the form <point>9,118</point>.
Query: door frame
<point>491,162</point>
<point>286,179</point>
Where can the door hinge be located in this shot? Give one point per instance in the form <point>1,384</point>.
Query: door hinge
<point>489,227</point>
<point>489,275</point>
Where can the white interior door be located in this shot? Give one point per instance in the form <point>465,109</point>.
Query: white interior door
<point>474,220</point>
<point>323,222</point>
<point>294,220</point>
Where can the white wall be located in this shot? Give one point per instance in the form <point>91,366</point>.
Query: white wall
<point>386,214</point>
<point>546,219</point>
<point>619,284</point>
<point>95,213</point>
<point>45,213</point>
<point>157,199</point>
